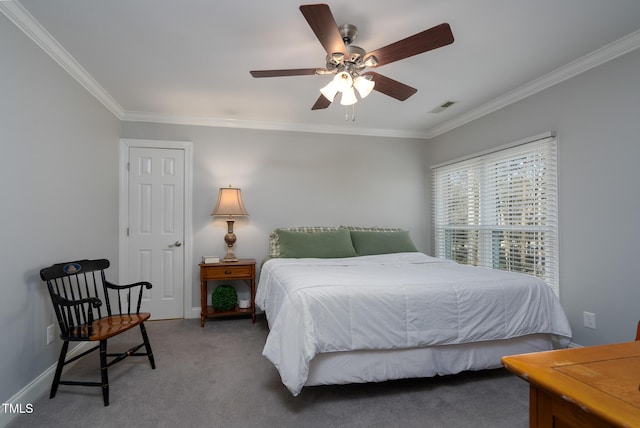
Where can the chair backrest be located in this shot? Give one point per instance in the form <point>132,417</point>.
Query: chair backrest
<point>79,295</point>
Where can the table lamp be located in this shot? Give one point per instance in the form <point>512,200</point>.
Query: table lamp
<point>230,205</point>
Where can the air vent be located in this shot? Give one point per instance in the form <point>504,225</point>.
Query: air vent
<point>443,106</point>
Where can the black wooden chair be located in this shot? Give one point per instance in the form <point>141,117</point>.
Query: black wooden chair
<point>90,308</point>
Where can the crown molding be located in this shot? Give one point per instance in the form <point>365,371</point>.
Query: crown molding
<point>132,116</point>
<point>22,19</point>
<point>600,56</point>
<point>17,14</point>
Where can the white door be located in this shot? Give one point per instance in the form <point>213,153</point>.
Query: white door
<point>156,228</point>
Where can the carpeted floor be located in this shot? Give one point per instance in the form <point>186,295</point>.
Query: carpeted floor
<point>216,376</point>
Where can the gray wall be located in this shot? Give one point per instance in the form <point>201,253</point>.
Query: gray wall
<point>60,187</point>
<point>296,179</point>
<point>59,195</point>
<point>597,118</point>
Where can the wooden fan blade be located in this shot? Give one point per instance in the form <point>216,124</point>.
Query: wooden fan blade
<point>427,40</point>
<point>280,73</point>
<point>321,21</point>
<point>321,102</point>
<point>391,87</point>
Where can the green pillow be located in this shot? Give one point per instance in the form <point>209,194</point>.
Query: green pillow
<point>329,244</point>
<point>369,243</point>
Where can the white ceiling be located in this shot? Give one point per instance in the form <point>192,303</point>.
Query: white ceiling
<point>188,61</point>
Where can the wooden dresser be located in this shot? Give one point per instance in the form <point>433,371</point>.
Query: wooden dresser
<point>596,386</point>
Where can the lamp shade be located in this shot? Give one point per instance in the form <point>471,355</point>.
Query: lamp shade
<point>342,81</point>
<point>329,91</point>
<point>363,85</point>
<point>348,97</point>
<point>229,203</point>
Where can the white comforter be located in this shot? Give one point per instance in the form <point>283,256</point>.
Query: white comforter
<point>394,301</point>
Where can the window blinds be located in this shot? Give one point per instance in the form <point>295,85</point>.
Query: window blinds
<point>500,210</point>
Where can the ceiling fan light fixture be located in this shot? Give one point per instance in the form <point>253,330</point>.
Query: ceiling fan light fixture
<point>329,91</point>
<point>337,58</point>
<point>371,61</point>
<point>343,81</point>
<point>347,61</point>
<point>364,85</point>
<point>348,97</point>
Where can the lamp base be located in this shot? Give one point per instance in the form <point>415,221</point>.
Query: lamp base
<point>230,256</point>
<point>230,239</point>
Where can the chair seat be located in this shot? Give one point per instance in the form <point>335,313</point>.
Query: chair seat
<point>107,327</point>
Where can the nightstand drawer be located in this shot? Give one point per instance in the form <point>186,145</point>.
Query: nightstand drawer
<point>222,272</point>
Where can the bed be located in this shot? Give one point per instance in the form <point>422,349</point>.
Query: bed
<point>353,305</point>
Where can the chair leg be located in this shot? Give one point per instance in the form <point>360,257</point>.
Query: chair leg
<point>59,367</point>
<point>103,371</point>
<point>147,346</point>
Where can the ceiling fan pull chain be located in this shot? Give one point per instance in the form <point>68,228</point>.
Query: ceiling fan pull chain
<point>353,113</point>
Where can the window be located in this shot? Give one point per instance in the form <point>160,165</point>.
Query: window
<point>500,209</point>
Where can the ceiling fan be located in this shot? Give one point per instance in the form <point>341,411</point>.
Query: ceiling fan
<point>349,62</point>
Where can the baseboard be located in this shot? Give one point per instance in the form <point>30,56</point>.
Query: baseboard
<point>195,313</point>
<point>24,398</point>
<point>558,343</point>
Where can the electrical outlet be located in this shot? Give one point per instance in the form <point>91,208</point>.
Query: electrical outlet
<point>589,319</point>
<point>50,330</point>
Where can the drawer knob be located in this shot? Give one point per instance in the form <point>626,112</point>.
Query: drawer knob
<point>227,272</point>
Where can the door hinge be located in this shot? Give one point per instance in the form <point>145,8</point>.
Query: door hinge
<point>129,166</point>
<point>127,231</point>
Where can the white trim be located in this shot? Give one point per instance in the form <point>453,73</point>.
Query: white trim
<point>17,14</point>
<point>600,56</point>
<point>39,386</point>
<point>195,312</point>
<point>131,116</point>
<point>22,19</point>
<point>187,146</point>
<point>538,137</point>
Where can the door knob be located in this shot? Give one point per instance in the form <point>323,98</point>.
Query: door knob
<point>176,244</point>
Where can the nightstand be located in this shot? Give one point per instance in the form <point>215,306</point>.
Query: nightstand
<point>243,269</point>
